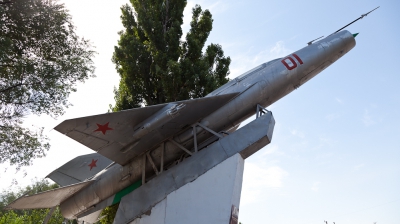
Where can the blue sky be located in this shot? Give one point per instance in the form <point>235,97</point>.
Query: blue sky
<point>335,152</point>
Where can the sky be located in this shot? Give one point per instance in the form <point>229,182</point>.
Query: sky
<point>335,151</point>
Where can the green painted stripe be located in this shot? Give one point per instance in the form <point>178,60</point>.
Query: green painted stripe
<point>125,191</point>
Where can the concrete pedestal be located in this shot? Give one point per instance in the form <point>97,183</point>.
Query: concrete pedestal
<point>204,188</point>
<point>208,199</point>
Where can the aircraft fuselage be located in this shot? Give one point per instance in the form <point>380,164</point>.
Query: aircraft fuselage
<point>262,85</point>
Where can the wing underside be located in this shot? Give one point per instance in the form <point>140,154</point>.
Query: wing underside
<point>47,199</point>
<point>79,169</point>
<point>108,134</point>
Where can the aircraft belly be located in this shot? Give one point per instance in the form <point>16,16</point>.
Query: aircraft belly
<point>246,102</point>
<point>105,185</point>
<point>75,205</point>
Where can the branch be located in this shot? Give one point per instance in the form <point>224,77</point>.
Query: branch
<point>11,87</point>
<point>6,2</point>
<point>18,103</point>
<point>7,65</point>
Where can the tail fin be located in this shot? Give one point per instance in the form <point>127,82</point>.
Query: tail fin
<point>47,199</point>
<point>79,169</point>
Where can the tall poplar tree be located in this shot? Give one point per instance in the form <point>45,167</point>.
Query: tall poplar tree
<point>156,65</point>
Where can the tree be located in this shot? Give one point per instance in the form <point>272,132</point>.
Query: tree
<point>155,65</point>
<point>27,216</point>
<point>41,60</point>
<point>108,214</point>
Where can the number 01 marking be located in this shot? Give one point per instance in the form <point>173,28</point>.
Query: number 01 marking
<point>290,63</point>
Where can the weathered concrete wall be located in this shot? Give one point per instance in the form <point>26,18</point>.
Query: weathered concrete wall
<point>208,199</point>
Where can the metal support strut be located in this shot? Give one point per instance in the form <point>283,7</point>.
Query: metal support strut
<point>144,169</point>
<point>147,156</point>
<point>151,162</point>
<point>195,138</point>
<point>205,128</point>
<point>180,146</point>
<point>260,111</point>
<point>209,130</point>
<point>162,157</point>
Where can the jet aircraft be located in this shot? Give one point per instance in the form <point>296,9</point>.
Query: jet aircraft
<point>133,146</point>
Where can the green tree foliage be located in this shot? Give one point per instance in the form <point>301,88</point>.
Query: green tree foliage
<point>155,65</point>
<point>27,216</point>
<point>108,214</point>
<point>41,60</point>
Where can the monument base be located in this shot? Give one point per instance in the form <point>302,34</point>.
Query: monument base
<point>212,198</point>
<point>203,188</point>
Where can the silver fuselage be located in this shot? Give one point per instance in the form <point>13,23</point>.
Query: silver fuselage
<point>262,85</point>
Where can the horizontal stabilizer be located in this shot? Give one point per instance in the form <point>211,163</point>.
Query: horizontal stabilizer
<point>79,169</point>
<point>47,199</point>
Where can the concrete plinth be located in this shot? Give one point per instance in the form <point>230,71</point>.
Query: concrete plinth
<point>208,199</point>
<point>203,187</point>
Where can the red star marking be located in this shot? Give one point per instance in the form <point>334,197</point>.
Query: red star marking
<point>103,128</point>
<point>93,164</point>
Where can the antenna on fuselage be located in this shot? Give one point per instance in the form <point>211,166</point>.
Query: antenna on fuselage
<point>309,43</point>
<point>362,16</point>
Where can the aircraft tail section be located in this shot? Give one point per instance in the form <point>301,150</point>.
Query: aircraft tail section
<point>47,199</point>
<point>79,169</point>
